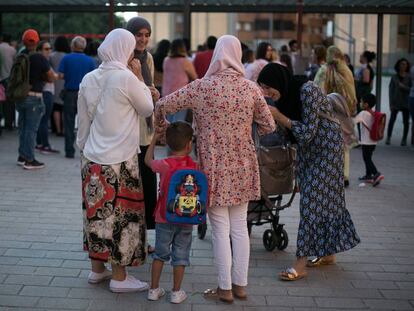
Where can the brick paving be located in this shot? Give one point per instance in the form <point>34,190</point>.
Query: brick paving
<point>43,267</point>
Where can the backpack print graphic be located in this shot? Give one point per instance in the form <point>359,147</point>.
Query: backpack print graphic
<point>187,197</point>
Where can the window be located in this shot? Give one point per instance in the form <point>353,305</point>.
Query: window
<point>262,24</point>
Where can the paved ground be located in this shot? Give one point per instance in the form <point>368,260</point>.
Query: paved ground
<point>43,267</point>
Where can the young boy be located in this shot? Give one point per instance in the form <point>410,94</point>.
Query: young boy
<point>170,240</point>
<point>368,145</point>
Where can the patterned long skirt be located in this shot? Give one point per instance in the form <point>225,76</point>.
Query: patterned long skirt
<point>114,213</point>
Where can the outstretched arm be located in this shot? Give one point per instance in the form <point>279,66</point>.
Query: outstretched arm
<point>149,156</point>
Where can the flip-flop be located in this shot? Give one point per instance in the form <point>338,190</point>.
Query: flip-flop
<point>290,274</point>
<point>319,261</point>
<point>212,293</point>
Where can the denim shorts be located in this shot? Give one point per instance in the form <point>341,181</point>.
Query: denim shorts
<point>173,241</point>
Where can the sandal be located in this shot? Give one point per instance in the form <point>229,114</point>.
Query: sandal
<point>290,274</point>
<point>219,294</point>
<point>239,291</point>
<point>319,261</point>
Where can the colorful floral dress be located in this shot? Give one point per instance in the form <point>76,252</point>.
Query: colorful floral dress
<point>113,212</point>
<point>224,106</point>
<point>325,225</point>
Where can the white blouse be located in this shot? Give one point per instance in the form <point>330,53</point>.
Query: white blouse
<point>109,106</point>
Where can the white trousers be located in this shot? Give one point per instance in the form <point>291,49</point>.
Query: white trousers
<point>226,222</point>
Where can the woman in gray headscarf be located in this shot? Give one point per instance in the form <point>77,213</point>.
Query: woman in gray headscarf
<point>141,29</point>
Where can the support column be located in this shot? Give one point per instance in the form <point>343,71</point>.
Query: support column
<point>380,31</point>
<point>187,20</point>
<point>111,15</point>
<point>299,4</point>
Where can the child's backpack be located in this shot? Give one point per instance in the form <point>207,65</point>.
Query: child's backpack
<point>186,194</point>
<point>376,132</point>
<point>18,86</point>
<point>378,126</point>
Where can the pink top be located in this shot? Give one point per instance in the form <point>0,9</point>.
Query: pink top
<point>225,106</point>
<point>174,77</point>
<point>164,167</point>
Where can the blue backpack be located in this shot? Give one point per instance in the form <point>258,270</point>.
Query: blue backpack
<point>187,195</point>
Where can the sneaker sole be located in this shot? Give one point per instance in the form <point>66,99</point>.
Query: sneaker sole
<point>155,299</point>
<point>29,168</point>
<point>377,181</point>
<point>177,302</point>
<point>128,290</point>
<point>91,281</point>
<point>20,163</point>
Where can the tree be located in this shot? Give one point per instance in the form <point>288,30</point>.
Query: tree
<point>63,23</point>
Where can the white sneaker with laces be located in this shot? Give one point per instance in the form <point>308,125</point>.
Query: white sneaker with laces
<point>155,293</point>
<point>178,296</point>
<point>95,278</point>
<point>130,284</point>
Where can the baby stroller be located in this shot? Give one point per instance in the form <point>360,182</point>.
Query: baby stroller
<point>277,178</point>
<point>276,160</point>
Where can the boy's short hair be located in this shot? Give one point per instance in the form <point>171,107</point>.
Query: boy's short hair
<point>370,99</point>
<point>178,135</point>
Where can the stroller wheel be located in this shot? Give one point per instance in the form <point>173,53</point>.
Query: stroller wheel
<point>201,231</point>
<point>284,240</point>
<point>270,240</point>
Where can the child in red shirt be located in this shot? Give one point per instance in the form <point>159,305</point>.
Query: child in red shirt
<point>171,240</point>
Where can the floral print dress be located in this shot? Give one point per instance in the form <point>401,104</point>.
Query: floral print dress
<point>325,226</point>
<point>224,106</point>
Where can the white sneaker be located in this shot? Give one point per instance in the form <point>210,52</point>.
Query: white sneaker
<point>94,278</point>
<point>155,293</point>
<point>130,284</point>
<point>178,296</point>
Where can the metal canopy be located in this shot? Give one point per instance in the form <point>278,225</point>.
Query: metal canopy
<point>282,6</point>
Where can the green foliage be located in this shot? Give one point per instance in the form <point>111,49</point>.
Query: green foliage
<point>75,23</point>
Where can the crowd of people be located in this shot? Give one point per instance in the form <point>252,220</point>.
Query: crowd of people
<point>128,100</point>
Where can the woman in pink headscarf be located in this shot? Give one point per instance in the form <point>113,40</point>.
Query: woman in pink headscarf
<point>225,105</point>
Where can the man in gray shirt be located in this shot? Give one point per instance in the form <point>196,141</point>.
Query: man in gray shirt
<point>7,55</point>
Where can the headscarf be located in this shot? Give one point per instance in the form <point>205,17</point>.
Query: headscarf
<point>227,55</point>
<point>336,77</point>
<point>134,25</point>
<point>116,49</point>
<point>278,77</point>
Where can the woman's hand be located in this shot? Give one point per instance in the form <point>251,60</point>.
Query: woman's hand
<point>135,66</point>
<point>154,93</point>
<point>280,118</point>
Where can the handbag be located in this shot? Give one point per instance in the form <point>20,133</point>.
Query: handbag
<point>277,169</point>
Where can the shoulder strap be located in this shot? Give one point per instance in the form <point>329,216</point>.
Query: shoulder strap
<point>101,93</point>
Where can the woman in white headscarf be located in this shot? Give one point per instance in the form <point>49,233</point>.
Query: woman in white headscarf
<point>111,100</point>
<point>225,105</point>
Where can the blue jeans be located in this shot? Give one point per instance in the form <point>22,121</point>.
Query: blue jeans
<point>173,241</point>
<point>43,131</point>
<point>31,110</point>
<point>70,110</point>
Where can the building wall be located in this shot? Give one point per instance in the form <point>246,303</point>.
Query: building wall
<point>363,29</point>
